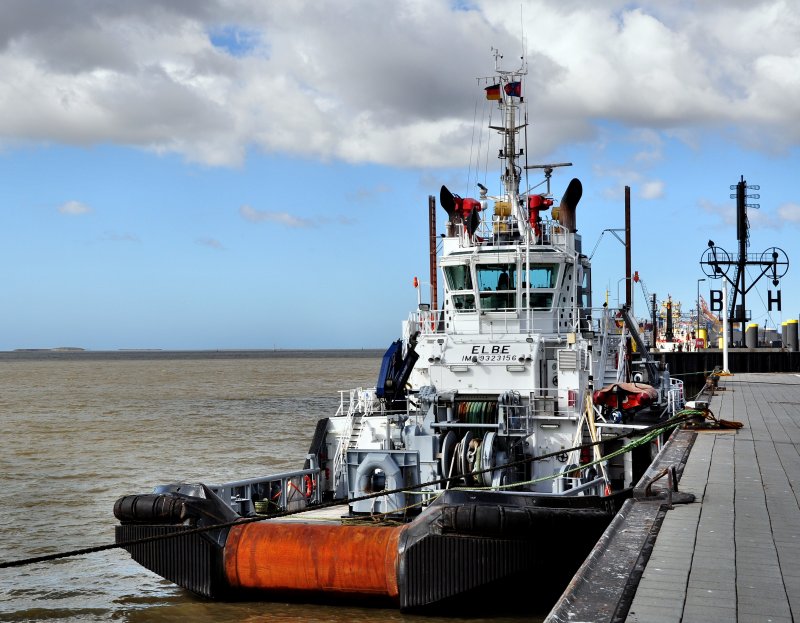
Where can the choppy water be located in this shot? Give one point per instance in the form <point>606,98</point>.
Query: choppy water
<point>77,431</point>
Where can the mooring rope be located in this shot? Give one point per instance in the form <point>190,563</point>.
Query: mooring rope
<point>679,418</point>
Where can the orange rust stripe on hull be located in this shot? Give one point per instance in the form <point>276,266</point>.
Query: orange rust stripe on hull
<point>303,557</point>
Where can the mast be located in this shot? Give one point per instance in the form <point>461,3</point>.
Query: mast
<point>510,97</point>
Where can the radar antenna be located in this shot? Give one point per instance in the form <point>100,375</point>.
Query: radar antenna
<point>548,170</point>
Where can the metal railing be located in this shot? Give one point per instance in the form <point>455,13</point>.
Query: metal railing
<point>362,402</point>
<point>544,405</point>
<point>611,335</point>
<point>427,322</point>
<point>507,230</point>
<point>273,493</point>
<point>675,396</point>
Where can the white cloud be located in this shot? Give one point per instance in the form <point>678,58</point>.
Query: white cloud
<point>762,219</point>
<point>283,218</point>
<point>789,212</point>
<point>212,243</point>
<point>368,193</point>
<point>74,208</point>
<point>652,145</point>
<point>253,215</point>
<point>757,218</point>
<point>724,212</point>
<point>634,174</point>
<point>112,236</point>
<point>390,83</point>
<point>654,189</point>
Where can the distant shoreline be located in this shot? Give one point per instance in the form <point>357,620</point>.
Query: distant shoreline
<point>76,354</point>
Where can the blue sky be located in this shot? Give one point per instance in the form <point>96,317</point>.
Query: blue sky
<point>242,174</point>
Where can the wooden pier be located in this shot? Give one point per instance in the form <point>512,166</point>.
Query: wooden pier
<point>733,554</point>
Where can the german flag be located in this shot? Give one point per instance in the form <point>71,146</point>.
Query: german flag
<point>493,92</point>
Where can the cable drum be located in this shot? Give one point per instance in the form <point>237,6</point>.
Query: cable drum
<point>149,507</point>
<point>477,411</point>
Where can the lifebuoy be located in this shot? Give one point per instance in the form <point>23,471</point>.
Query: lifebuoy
<point>309,485</point>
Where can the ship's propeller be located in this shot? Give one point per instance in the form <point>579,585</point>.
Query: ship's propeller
<point>569,203</point>
<point>448,202</point>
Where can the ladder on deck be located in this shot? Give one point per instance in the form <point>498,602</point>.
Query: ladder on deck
<point>348,440</point>
<point>355,430</point>
<point>611,369</point>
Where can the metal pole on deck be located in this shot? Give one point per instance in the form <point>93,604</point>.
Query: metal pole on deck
<point>654,312</point>
<point>628,274</point>
<point>697,332</point>
<point>432,252</point>
<point>725,327</point>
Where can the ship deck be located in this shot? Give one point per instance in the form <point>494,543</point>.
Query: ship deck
<point>329,515</point>
<point>731,555</point>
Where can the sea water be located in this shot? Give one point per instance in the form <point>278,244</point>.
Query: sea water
<point>78,430</point>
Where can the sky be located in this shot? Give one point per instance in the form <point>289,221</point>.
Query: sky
<point>221,174</point>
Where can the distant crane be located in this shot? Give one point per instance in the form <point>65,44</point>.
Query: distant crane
<point>650,301</point>
<point>637,279</point>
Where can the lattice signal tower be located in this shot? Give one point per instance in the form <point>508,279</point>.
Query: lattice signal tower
<point>716,262</point>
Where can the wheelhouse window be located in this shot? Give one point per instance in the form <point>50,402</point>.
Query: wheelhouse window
<point>543,275</point>
<point>458,277</point>
<point>464,302</point>
<point>543,279</point>
<point>497,286</point>
<point>459,281</point>
<point>585,291</point>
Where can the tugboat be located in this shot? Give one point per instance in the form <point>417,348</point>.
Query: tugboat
<point>488,458</point>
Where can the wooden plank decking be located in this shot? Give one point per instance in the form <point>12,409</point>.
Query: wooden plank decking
<point>732,555</point>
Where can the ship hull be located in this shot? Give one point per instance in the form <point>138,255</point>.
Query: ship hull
<point>463,547</point>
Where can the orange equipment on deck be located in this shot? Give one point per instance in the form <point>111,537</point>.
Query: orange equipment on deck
<point>356,560</point>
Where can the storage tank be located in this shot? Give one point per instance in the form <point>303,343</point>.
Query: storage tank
<point>751,335</point>
<point>791,334</point>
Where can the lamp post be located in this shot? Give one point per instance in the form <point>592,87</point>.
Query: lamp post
<point>697,332</point>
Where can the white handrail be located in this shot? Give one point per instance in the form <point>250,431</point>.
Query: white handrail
<point>339,459</point>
